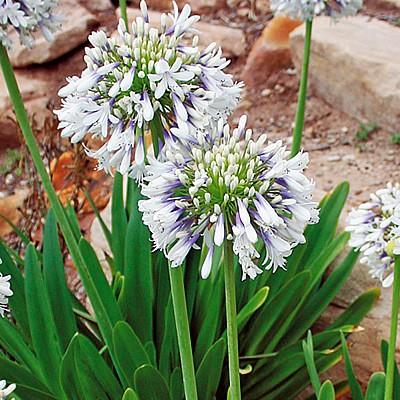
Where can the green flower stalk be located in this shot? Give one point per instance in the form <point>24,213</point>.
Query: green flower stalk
<point>391,360</point>
<point>231,322</point>
<point>301,103</point>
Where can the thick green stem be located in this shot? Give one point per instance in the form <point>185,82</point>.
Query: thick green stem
<point>183,332</point>
<point>231,322</point>
<point>124,15</point>
<point>105,321</point>
<point>301,102</point>
<point>391,359</point>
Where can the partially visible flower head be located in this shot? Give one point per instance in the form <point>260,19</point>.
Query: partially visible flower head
<point>230,188</point>
<point>375,231</point>
<point>25,17</point>
<point>5,390</point>
<point>308,9</point>
<point>146,79</point>
<point>5,293</point>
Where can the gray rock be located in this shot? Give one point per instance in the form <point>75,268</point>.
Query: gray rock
<point>78,23</point>
<point>355,67</point>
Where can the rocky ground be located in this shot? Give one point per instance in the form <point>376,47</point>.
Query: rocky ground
<point>352,127</point>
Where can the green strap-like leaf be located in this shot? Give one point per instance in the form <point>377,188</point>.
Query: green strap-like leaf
<point>308,350</point>
<point>130,394</point>
<point>384,354</point>
<point>118,223</point>
<point>138,276</point>
<point>327,391</point>
<point>41,322</point>
<point>97,381</point>
<point>376,387</point>
<point>208,375</point>
<point>54,279</point>
<point>150,384</point>
<point>17,301</point>
<point>355,388</point>
<point>129,350</point>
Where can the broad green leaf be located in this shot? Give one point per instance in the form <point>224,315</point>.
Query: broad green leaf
<point>130,394</point>
<point>21,376</point>
<point>169,355</point>
<point>356,392</point>
<point>150,384</point>
<point>376,387</point>
<point>129,350</point>
<point>152,352</point>
<point>176,385</point>
<point>97,380</point>
<point>327,391</point>
<point>357,310</point>
<point>118,223</point>
<point>211,324</point>
<point>208,375</point>
<point>101,285</point>
<point>41,322</point>
<point>54,280</point>
<point>68,375</point>
<point>13,342</point>
<point>139,287</point>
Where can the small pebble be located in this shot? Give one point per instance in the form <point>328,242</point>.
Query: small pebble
<point>266,92</point>
<point>334,158</point>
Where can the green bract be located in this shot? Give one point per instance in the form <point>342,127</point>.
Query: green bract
<point>54,348</point>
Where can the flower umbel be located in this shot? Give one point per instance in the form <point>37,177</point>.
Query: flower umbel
<point>375,230</point>
<point>5,390</point>
<point>25,17</point>
<point>308,9</point>
<point>229,189</point>
<point>5,292</point>
<point>146,79</point>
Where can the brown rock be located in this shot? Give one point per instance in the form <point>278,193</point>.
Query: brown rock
<point>9,209</point>
<point>78,23</point>
<point>354,67</point>
<point>231,40</point>
<point>270,52</point>
<point>34,92</point>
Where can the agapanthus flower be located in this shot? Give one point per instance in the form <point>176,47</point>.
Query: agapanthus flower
<point>26,17</point>
<point>375,231</point>
<point>308,9</point>
<point>230,188</point>
<point>5,293</point>
<point>5,390</point>
<point>146,79</point>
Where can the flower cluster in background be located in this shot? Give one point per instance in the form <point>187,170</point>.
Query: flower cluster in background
<point>5,390</point>
<point>25,17</point>
<point>5,293</point>
<point>230,188</point>
<point>308,9</point>
<point>146,79</point>
<point>375,231</point>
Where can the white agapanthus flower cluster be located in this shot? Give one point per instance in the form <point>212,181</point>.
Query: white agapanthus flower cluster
<point>375,230</point>
<point>229,188</point>
<point>308,9</point>
<point>26,17</point>
<point>146,79</point>
<point>5,390</point>
<point>5,293</point>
